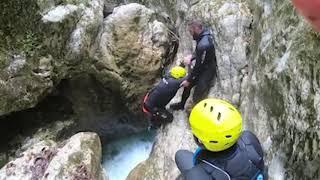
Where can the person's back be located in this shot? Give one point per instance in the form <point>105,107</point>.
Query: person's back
<point>163,92</point>
<point>242,161</point>
<point>157,98</point>
<point>205,55</point>
<point>225,152</point>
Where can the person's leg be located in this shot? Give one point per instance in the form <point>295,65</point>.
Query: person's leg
<point>203,85</point>
<point>184,98</point>
<point>165,116</point>
<point>184,160</point>
<point>153,117</point>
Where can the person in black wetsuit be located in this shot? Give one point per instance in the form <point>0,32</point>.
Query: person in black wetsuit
<point>224,152</point>
<point>204,69</point>
<point>157,98</point>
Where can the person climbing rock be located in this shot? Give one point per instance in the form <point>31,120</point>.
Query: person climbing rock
<point>157,98</point>
<point>204,69</point>
<point>224,152</point>
<point>310,9</point>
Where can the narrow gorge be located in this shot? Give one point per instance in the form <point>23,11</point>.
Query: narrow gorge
<point>74,72</point>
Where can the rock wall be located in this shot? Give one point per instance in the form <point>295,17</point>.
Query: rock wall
<point>77,158</point>
<point>102,64</point>
<point>123,51</point>
<point>44,43</point>
<point>284,90</point>
<point>267,59</point>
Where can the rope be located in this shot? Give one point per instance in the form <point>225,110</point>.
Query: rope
<point>206,162</point>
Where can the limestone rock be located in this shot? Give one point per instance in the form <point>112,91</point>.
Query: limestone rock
<point>42,43</point>
<point>78,157</point>
<point>283,96</point>
<point>124,52</point>
<point>161,164</point>
<point>131,50</point>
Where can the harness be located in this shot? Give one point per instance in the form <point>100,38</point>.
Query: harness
<point>236,166</point>
<point>143,104</point>
<point>144,108</point>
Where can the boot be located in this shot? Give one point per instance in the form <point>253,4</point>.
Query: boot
<point>177,106</point>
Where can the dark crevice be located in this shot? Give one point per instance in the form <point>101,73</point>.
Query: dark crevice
<point>50,109</point>
<point>17,126</point>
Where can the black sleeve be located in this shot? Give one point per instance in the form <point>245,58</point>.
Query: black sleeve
<point>200,55</point>
<point>182,79</point>
<point>193,57</point>
<point>197,173</point>
<point>250,138</point>
<point>175,83</point>
<point>254,148</point>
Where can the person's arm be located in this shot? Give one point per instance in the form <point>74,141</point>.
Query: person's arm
<point>197,173</point>
<point>193,56</point>
<point>199,58</point>
<point>182,79</point>
<point>252,142</point>
<point>175,83</point>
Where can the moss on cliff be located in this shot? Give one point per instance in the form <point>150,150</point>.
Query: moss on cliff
<point>20,27</point>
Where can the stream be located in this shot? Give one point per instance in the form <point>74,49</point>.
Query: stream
<point>121,155</point>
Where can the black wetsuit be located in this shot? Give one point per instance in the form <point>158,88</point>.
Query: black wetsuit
<point>159,97</point>
<point>203,71</point>
<point>242,161</point>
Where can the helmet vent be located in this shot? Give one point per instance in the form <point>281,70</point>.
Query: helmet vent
<point>213,141</point>
<point>211,108</point>
<point>219,116</point>
<point>231,109</point>
<point>228,136</point>
<point>205,104</point>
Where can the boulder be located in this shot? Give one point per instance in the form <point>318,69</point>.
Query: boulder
<point>77,158</point>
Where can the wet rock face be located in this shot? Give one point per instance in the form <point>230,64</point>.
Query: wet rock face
<point>285,89</point>
<point>267,59</point>
<point>99,109</point>
<point>77,158</point>
<point>45,42</point>
<point>124,52</point>
<point>132,47</point>
<point>101,66</point>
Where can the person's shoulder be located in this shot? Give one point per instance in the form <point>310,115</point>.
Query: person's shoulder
<point>205,43</point>
<point>173,81</point>
<point>248,137</point>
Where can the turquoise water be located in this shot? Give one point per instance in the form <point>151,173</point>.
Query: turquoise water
<point>122,155</point>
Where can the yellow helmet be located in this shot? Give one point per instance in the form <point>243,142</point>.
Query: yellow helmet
<point>177,72</point>
<point>216,124</point>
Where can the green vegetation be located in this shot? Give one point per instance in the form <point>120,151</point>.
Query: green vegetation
<point>20,26</point>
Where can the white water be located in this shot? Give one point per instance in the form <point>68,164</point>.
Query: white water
<point>122,155</point>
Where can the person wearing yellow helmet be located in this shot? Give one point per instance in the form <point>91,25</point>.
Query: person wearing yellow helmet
<point>225,152</point>
<point>158,97</point>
